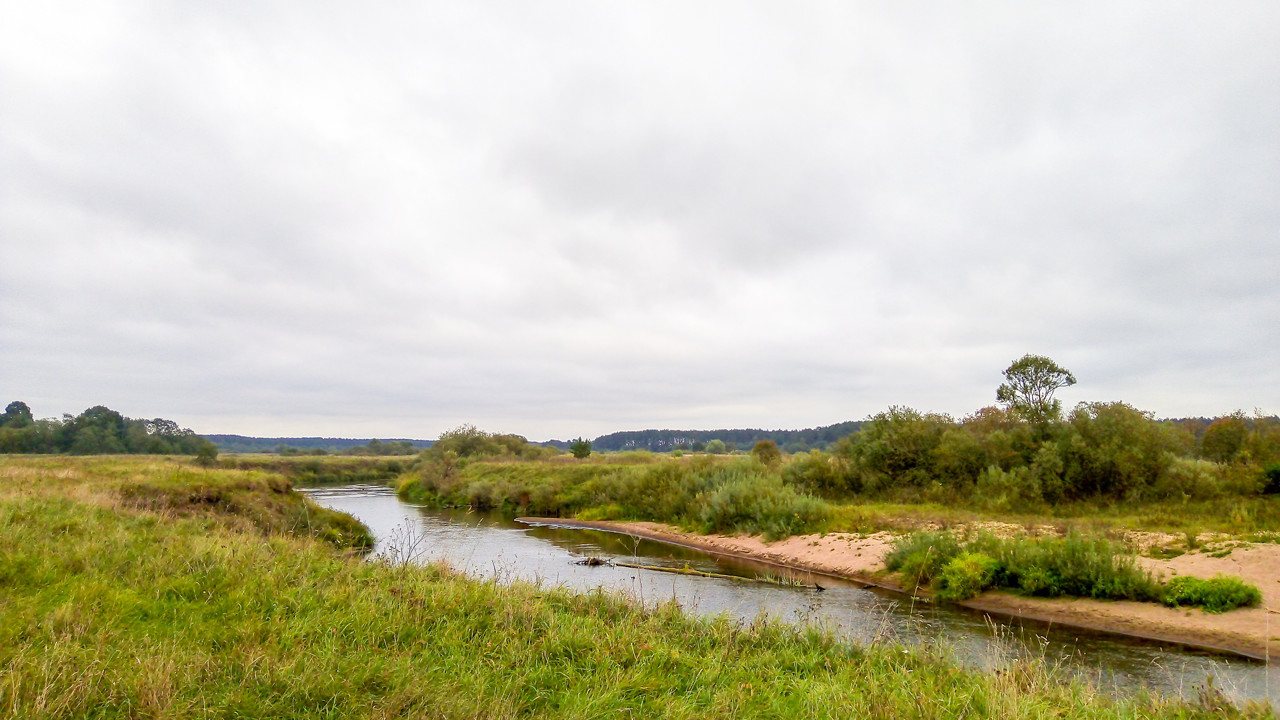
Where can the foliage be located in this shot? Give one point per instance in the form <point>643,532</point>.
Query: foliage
<point>1029,386</point>
<point>1052,566</point>
<point>1216,595</point>
<point>125,612</point>
<point>580,448</point>
<point>98,430</point>
<point>1272,485</point>
<point>662,441</point>
<point>920,556</point>
<point>312,471</point>
<point>815,472</point>
<point>966,575</point>
<point>705,493</point>
<point>1224,440</point>
<point>743,502</point>
<point>895,449</point>
<point>766,453</point>
<point>715,446</point>
<point>1113,450</point>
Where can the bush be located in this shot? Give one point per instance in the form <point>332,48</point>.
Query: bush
<point>1217,595</point>
<point>1072,566</point>
<point>922,555</point>
<point>767,453</point>
<point>1272,474</point>
<point>967,575</point>
<point>815,472</point>
<point>1005,490</point>
<point>759,503</point>
<point>1189,478</point>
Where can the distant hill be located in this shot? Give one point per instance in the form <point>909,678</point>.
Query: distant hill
<point>819,438</point>
<point>244,444</point>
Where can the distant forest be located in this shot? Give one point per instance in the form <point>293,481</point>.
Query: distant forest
<point>313,445</point>
<point>96,431</point>
<point>819,438</point>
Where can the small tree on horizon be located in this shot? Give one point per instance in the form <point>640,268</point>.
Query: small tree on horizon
<point>1031,382</point>
<point>767,452</point>
<point>580,448</point>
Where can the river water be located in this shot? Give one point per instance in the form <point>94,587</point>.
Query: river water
<point>488,546</point>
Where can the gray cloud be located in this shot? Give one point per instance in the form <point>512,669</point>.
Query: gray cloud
<point>570,219</point>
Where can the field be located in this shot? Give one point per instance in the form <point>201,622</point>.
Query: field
<point>139,588</point>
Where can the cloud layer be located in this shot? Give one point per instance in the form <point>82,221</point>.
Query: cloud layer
<point>572,218</point>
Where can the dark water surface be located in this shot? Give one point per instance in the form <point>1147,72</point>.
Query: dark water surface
<point>488,546</point>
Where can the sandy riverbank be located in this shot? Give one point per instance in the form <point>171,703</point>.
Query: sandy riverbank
<point>1253,632</point>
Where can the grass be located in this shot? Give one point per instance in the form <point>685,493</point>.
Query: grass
<point>314,471</point>
<point>725,495</point>
<point>115,608</point>
<point>1073,565</point>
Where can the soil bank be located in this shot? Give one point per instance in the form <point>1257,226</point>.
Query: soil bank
<point>1251,632</point>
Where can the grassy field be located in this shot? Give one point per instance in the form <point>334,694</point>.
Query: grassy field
<point>646,486</point>
<point>146,588</point>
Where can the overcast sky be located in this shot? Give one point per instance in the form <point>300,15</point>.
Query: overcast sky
<point>560,219</point>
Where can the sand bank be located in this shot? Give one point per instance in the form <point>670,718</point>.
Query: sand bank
<point>1252,632</point>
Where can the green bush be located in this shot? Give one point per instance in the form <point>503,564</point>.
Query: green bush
<point>815,472</point>
<point>1007,490</point>
<point>1216,595</point>
<point>1050,567</point>
<point>967,575</point>
<point>1272,473</point>
<point>922,555</point>
<point>759,503</point>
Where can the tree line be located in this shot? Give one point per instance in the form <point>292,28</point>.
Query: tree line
<point>792,441</point>
<point>97,431</point>
<point>1026,452</point>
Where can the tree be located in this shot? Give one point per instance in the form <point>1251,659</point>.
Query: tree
<point>1032,381</point>
<point>580,448</point>
<point>17,414</point>
<point>207,454</point>
<point>766,451</point>
<point>716,447</point>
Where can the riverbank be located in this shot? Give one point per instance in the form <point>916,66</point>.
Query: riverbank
<point>148,588</point>
<point>1250,632</point>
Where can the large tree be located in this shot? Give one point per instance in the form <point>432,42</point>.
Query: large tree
<point>1029,387</point>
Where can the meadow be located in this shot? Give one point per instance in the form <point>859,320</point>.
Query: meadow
<point>153,588</point>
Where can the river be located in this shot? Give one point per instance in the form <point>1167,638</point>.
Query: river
<point>489,546</point>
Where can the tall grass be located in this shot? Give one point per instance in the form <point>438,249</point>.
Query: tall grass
<point>114,609</point>
<point>705,494</point>
<point>1074,566</point>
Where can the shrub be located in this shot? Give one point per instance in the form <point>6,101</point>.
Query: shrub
<point>759,503</point>
<point>767,453</point>
<point>815,472</point>
<point>1216,595</point>
<point>922,555</point>
<point>967,575</point>
<point>1189,478</point>
<point>1272,473</point>
<point>1073,566</point>
<point>1006,490</point>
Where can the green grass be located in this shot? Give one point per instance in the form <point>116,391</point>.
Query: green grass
<point>725,495</point>
<point>1074,566</point>
<point>314,471</point>
<point>118,609</point>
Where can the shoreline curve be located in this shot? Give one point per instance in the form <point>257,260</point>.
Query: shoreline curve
<point>1244,633</point>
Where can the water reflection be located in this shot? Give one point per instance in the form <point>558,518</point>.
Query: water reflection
<point>491,547</point>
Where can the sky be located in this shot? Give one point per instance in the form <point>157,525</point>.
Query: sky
<point>563,219</point>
